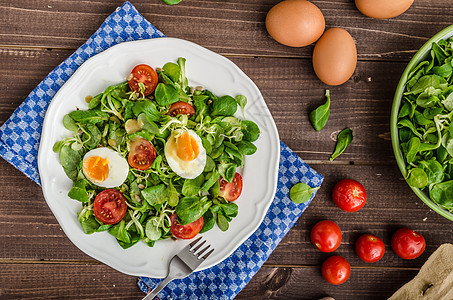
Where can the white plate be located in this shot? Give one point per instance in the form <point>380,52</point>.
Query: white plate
<point>204,68</point>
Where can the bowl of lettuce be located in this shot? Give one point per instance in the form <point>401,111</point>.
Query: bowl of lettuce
<point>422,123</point>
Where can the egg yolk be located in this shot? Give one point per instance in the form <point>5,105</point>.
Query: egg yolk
<point>186,147</point>
<point>97,168</point>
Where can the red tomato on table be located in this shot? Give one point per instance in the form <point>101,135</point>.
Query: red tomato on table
<point>181,108</point>
<point>326,236</point>
<point>407,243</point>
<point>349,195</point>
<point>336,270</point>
<point>143,74</point>
<point>110,206</point>
<point>231,191</point>
<point>185,231</point>
<point>369,248</point>
<point>142,154</point>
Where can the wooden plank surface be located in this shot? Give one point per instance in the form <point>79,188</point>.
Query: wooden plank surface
<point>38,261</point>
<point>233,27</point>
<point>79,281</point>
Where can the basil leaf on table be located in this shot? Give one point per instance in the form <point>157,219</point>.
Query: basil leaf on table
<point>320,115</point>
<point>301,192</point>
<point>171,2</point>
<point>343,140</point>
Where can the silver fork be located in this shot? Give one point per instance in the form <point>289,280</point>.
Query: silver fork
<point>182,264</point>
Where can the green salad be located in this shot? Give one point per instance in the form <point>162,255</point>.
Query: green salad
<point>426,127</point>
<point>154,158</point>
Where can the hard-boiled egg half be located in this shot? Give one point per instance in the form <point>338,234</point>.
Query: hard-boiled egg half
<point>105,167</point>
<point>185,153</point>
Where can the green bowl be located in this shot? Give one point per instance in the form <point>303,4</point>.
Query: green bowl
<point>418,57</point>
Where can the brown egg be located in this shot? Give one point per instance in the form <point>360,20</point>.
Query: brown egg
<point>335,56</point>
<point>383,9</point>
<point>295,23</point>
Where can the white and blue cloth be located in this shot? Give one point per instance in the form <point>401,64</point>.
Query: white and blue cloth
<point>19,143</point>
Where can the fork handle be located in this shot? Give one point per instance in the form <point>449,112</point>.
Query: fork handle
<point>158,288</point>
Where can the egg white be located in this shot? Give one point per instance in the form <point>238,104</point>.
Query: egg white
<point>185,169</point>
<point>118,167</point>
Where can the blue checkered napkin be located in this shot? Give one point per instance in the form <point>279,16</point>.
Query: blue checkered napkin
<point>228,278</point>
<point>20,134</point>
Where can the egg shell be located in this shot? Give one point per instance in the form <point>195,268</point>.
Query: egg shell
<point>383,9</point>
<point>335,56</point>
<point>295,23</point>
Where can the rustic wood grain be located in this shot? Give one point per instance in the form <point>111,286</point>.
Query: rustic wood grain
<point>74,281</point>
<point>38,261</point>
<point>65,281</point>
<point>307,283</point>
<point>230,27</point>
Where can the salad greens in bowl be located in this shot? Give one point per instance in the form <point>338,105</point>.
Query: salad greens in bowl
<point>422,123</point>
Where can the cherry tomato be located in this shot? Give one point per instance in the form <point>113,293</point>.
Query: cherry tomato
<point>407,243</point>
<point>369,248</point>
<point>185,231</point>
<point>336,270</point>
<point>231,191</point>
<point>349,195</point>
<point>181,108</point>
<point>144,74</point>
<point>326,236</point>
<point>110,206</point>
<point>142,154</point>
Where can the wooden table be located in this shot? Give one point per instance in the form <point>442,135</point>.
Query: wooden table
<point>37,260</point>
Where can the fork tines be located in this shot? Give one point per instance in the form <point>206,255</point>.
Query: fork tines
<point>194,248</point>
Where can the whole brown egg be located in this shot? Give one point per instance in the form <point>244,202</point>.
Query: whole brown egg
<point>295,23</point>
<point>335,56</point>
<point>383,9</point>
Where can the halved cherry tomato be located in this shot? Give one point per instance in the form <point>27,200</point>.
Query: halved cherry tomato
<point>181,108</point>
<point>349,195</point>
<point>144,74</point>
<point>326,236</point>
<point>407,243</point>
<point>142,154</point>
<point>231,191</point>
<point>185,231</point>
<point>110,206</point>
<point>336,270</point>
<point>369,248</point>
